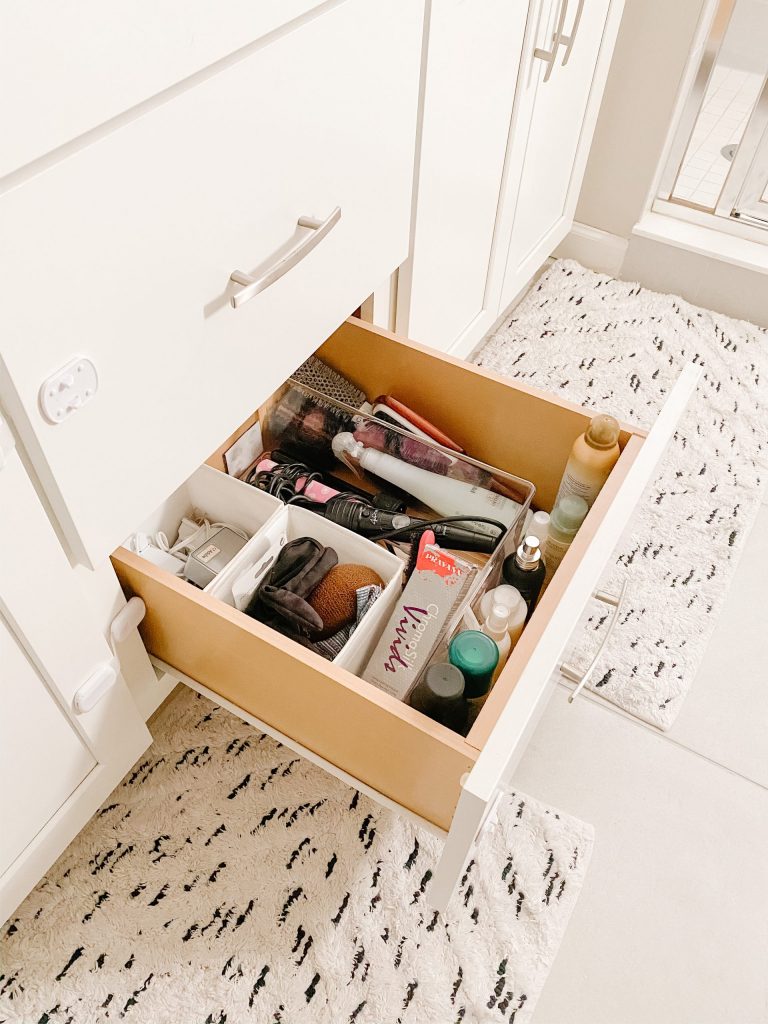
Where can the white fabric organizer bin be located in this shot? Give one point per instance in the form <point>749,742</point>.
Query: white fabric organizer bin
<point>294,522</point>
<point>221,499</point>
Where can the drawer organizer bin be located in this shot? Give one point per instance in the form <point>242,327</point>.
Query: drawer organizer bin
<point>220,499</point>
<point>351,728</point>
<point>291,523</point>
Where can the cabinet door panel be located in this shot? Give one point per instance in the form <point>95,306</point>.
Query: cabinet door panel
<point>471,72</point>
<point>42,759</point>
<point>57,767</point>
<point>558,113</point>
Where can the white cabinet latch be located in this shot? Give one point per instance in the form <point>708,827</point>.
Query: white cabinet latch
<point>95,686</point>
<point>126,620</point>
<point>68,389</point>
<point>7,443</point>
<point>103,678</point>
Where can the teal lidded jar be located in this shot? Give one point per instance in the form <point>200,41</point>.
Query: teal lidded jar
<point>476,656</point>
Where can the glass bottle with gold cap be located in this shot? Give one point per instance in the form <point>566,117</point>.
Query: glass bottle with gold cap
<point>593,456</point>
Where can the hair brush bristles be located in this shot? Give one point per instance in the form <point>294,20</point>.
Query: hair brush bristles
<point>316,374</point>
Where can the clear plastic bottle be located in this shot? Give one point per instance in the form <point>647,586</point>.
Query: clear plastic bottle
<point>496,626</point>
<point>537,524</point>
<point>567,517</point>
<point>512,600</point>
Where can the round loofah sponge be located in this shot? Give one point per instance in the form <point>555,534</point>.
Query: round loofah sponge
<point>334,597</point>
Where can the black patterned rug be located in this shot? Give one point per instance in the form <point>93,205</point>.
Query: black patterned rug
<point>617,348</point>
<point>227,880</point>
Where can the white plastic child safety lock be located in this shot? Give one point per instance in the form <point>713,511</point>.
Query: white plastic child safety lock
<point>127,619</point>
<point>104,677</point>
<point>96,685</point>
<point>69,388</point>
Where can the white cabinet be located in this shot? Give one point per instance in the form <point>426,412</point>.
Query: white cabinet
<point>201,200</point>
<point>470,74</point>
<point>73,69</point>
<point>511,93</point>
<point>150,223</point>
<point>35,737</point>
<point>558,98</point>
<point>266,166</point>
<point>57,767</point>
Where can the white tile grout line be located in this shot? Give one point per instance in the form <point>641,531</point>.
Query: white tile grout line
<point>606,705</point>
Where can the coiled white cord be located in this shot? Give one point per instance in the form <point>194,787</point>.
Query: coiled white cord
<point>181,548</point>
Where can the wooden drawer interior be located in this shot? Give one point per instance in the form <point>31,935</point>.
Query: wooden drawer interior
<point>377,739</point>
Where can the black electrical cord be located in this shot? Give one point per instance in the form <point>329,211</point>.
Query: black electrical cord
<point>317,506</point>
<point>425,524</point>
<point>281,483</point>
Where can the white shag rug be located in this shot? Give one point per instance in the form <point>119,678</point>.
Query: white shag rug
<point>227,880</point>
<point>615,347</point>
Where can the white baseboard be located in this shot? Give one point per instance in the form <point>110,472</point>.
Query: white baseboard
<point>709,268</point>
<point>593,248</point>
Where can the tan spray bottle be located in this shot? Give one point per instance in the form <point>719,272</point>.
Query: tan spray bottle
<point>593,456</point>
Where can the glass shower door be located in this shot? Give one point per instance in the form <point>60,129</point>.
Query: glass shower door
<point>717,163</point>
<point>745,195</point>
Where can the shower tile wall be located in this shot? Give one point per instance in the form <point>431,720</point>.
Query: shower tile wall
<point>729,101</point>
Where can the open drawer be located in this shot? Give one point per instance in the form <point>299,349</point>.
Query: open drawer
<point>354,729</point>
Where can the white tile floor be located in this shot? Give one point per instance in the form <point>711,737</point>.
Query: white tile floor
<point>726,109</point>
<point>672,925</point>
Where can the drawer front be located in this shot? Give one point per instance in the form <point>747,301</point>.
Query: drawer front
<point>371,736</point>
<point>123,252</point>
<point>517,701</point>
<point>74,79</point>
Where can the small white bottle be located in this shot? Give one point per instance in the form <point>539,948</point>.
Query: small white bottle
<point>512,600</point>
<point>539,527</point>
<point>496,627</point>
<point>537,524</point>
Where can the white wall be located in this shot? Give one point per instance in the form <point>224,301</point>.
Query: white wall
<point>655,40</point>
<point>745,42</point>
<point>651,52</point>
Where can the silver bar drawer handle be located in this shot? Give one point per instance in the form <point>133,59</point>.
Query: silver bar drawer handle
<point>569,40</point>
<point>253,285</point>
<point>572,674</point>
<point>550,55</point>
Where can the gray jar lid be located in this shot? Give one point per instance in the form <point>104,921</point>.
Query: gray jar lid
<point>445,681</point>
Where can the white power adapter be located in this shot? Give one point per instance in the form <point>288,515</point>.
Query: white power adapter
<point>143,545</point>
